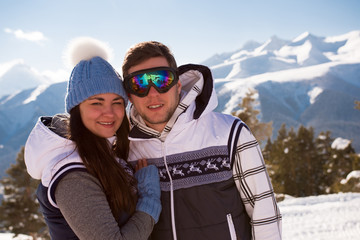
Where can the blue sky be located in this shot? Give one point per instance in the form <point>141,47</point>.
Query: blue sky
<point>37,31</point>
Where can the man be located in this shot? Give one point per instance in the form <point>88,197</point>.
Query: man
<point>205,159</point>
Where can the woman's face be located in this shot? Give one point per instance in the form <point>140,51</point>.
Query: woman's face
<point>103,114</point>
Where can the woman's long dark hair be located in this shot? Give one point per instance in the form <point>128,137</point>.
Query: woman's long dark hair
<point>99,157</point>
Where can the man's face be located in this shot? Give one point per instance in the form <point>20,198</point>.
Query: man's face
<point>156,108</point>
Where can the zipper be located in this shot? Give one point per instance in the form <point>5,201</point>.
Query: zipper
<point>171,193</point>
<point>231,227</point>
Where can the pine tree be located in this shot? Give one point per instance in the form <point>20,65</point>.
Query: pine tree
<point>19,208</point>
<point>275,154</point>
<point>292,161</point>
<point>298,161</point>
<point>341,163</point>
<point>323,147</point>
<point>310,172</point>
<point>300,165</point>
<point>290,167</point>
<point>249,115</point>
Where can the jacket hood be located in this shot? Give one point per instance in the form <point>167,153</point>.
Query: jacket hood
<point>206,99</point>
<point>198,98</point>
<point>44,149</point>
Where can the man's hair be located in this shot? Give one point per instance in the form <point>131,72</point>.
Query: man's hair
<point>145,50</point>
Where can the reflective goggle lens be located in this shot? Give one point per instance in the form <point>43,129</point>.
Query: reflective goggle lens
<point>139,82</point>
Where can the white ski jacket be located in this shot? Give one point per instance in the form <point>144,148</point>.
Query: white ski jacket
<point>212,174</point>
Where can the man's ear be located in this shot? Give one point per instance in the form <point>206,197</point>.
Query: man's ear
<point>179,86</point>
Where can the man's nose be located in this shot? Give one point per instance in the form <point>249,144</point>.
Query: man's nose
<point>153,91</point>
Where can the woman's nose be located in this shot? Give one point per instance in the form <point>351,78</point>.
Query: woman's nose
<point>108,110</point>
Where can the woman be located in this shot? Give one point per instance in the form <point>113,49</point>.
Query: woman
<point>87,189</point>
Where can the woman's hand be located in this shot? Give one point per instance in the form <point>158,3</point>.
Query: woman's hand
<point>148,189</point>
<point>141,163</point>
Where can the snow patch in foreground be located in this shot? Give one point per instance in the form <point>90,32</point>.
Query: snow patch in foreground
<point>9,236</point>
<point>324,217</point>
<point>330,217</point>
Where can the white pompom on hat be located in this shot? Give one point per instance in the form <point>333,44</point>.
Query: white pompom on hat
<point>92,73</point>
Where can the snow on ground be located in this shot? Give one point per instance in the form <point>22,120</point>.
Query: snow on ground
<point>330,217</point>
<point>325,217</point>
<point>8,236</point>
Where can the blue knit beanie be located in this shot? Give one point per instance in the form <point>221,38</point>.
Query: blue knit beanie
<point>91,77</point>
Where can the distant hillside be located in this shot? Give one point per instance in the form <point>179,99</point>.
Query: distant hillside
<point>19,113</point>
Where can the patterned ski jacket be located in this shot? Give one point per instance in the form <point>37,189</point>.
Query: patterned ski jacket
<point>213,178</point>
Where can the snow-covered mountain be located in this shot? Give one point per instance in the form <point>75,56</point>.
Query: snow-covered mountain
<point>18,115</point>
<point>310,81</point>
<point>277,54</point>
<point>16,75</point>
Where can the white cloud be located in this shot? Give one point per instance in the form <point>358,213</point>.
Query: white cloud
<point>35,36</point>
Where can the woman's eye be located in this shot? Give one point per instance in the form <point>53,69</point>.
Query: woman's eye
<point>96,103</point>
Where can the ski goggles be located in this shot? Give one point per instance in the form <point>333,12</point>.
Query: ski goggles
<point>161,78</point>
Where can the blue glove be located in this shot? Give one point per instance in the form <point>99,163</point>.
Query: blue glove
<point>149,191</point>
